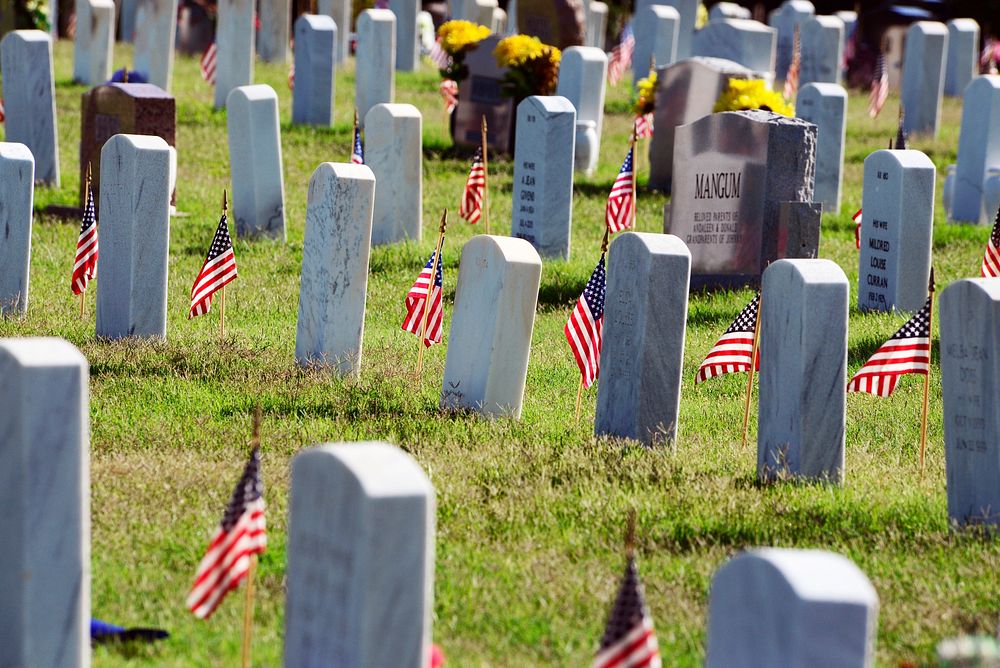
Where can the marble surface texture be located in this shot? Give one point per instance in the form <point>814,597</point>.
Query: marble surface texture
<point>394,152</point>
<point>30,99</point>
<point>978,150</point>
<point>656,36</point>
<point>340,12</point>
<point>923,76</point>
<point>749,43</point>
<point>825,106</point>
<point>962,63</point>
<point>272,37</point>
<point>234,35</point>
<point>407,45</point>
<point>17,192</point>
<point>791,13</point>
<point>93,44</point>
<point>821,50</point>
<point>375,79</point>
<point>258,203</point>
<point>156,27</point>
<point>315,58</point>
<point>582,76</point>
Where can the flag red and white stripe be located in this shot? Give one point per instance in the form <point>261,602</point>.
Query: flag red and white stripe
<point>621,200</point>
<point>291,76</point>
<point>85,263</point>
<point>358,152</point>
<point>208,63</point>
<point>991,259</point>
<point>415,299</point>
<point>475,187</point>
<point>621,56</point>
<point>880,87</point>
<point>733,352</point>
<point>585,326</point>
<point>629,639</point>
<point>449,93</point>
<point>219,270</point>
<point>3,111</point>
<point>907,351</point>
<point>438,55</point>
<point>792,76</point>
<point>644,126</point>
<point>857,229</point>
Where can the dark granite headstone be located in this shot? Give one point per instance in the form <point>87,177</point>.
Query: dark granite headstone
<point>560,23</point>
<point>480,94</point>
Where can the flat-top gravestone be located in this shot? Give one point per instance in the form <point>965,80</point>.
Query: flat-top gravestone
<point>375,80</point>
<point>45,490</point>
<point>970,387</point>
<point>978,150</point>
<point>896,231</point>
<point>234,35</point>
<point>688,11</point>
<point>360,558</point>
<point>30,99</point>
<point>794,608</point>
<point>335,254</point>
<point>728,10</point>
<point>803,371</point>
<point>340,12</point>
<point>556,22</point>
<point>93,45</point>
<point>543,174</point>
<point>394,153</point>
<point>962,64</point>
<point>479,95</point>
<point>825,106</point>
<point>656,28</point>
<point>17,192</point>
<point>822,50</point>
<point>749,43</point>
<point>135,237</point>
<point>490,336</point>
<point>272,36</point>
<point>126,10</point>
<point>742,194</point>
<point>582,75</point>
<point>156,28</point>
<point>407,45</point>
<point>645,309</point>
<point>923,76</point>
<point>315,56</point>
<point>791,14</point>
<point>255,162</point>
<point>597,25</point>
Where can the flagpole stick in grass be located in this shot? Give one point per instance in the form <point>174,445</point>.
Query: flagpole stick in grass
<point>927,376</point>
<point>222,291</point>
<point>753,366</point>
<point>430,288</point>
<point>486,178</point>
<point>248,607</point>
<point>83,293</point>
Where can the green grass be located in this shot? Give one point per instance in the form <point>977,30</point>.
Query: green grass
<point>530,512</point>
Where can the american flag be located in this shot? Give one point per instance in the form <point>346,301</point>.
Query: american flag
<point>629,639</point>
<point>208,64</point>
<point>415,298</point>
<point>857,229</point>
<point>621,202</point>
<point>907,351</point>
<point>358,153</point>
<point>989,56</point>
<point>85,264</point>
<point>3,111</point>
<point>449,93</point>
<point>291,76</point>
<point>621,56</point>
<point>792,76</point>
<point>880,87</point>
<point>644,126</point>
<point>241,534</point>
<point>438,55</point>
<point>991,260</point>
<point>733,352</point>
<point>218,270</point>
<point>586,324</point>
<point>472,199</point>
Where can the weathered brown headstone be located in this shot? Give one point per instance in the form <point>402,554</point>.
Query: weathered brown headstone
<point>479,94</point>
<point>560,23</point>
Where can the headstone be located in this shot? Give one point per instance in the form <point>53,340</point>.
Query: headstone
<point>821,49</point>
<point>394,153</point>
<point>335,253</point>
<point>749,43</point>
<point>582,76</point>
<point>978,150</point>
<point>789,607</point>
<point>45,489</point>
<point>30,99</point>
<point>556,22</point>
<point>426,34</point>
<point>639,392</point>
<point>480,94</point>
<point>234,35</point>
<point>154,41</point>
<point>360,558</point>
<point>850,19</point>
<point>127,10</point>
<point>685,91</point>
<point>499,23</point>
<point>407,47</point>
<point>785,19</point>
<point>825,106</point>
<point>894,39</point>
<point>728,10</point>
<point>255,162</point>
<point>688,10</point>
<point>340,12</point>
<point>543,174</point>
<point>743,194</point>
<point>597,25</point>
<point>315,56</point>
<point>803,371</point>
<point>135,237</point>
<point>272,36</point>
<point>896,231</point>
<point>490,336</point>
<point>963,55</point>
<point>17,191</point>
<point>93,45</point>
<point>970,388</point>
<point>923,76</point>
<point>375,80</point>
<point>656,29</point>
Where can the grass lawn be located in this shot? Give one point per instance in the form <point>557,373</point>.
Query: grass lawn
<point>531,512</point>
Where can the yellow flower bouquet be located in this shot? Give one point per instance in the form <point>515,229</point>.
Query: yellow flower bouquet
<point>532,67</point>
<point>457,39</point>
<point>752,94</point>
<point>646,102</point>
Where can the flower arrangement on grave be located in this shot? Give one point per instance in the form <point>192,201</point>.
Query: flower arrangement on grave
<point>745,94</point>
<point>457,38</point>
<point>532,67</point>
<point>646,102</point>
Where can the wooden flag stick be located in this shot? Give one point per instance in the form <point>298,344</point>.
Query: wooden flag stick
<point>927,377</point>
<point>430,289</point>
<point>635,175</point>
<point>486,178</point>
<point>753,366</point>
<point>86,194</point>
<point>248,603</point>
<point>222,291</point>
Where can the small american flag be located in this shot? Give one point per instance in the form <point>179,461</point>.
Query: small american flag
<point>629,639</point>
<point>733,352</point>
<point>358,153</point>
<point>989,56</point>
<point>880,87</point>
<point>472,199</point>
<point>415,298</point>
<point>586,324</point>
<point>438,55</point>
<point>991,260</point>
<point>85,264</point>
<point>241,534</point>
<point>219,269</point>
<point>208,64</point>
<point>3,111</point>
<point>619,210</point>
<point>792,76</point>
<point>291,76</point>
<point>644,126</point>
<point>449,93</point>
<point>857,229</point>
<point>621,56</point>
<point>907,351</point>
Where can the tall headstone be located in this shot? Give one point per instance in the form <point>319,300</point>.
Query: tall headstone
<point>749,43</point>
<point>360,558</point>
<point>963,55</point>
<point>272,36</point>
<point>375,80</point>
<point>825,106</point>
<point>639,392</point>
<point>728,10</point>
<point>821,50</point>
<point>315,56</point>
<point>543,174</point>
<point>803,371</point>
<point>556,22</point>
<point>17,192</point>
<point>127,10</point>
<point>582,76</point>
<point>30,99</point>
<point>335,254</point>
<point>490,336</point>
<point>923,76</point>
<point>255,161</point>
<point>234,35</point>
<point>135,237</point>
<point>93,45</point>
<point>789,607</point>
<point>340,12</point>
<point>45,489</point>
<point>893,39</point>
<point>656,35</point>
<point>393,151</point>
<point>481,94</point>
<point>978,150</point>
<point>597,25</point>
<point>688,11</point>
<point>407,46</point>
<point>156,27</point>
<point>896,231</point>
<point>970,388</point>
<point>784,19</point>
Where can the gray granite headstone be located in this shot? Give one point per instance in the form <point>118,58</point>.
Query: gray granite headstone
<point>335,254</point>
<point>749,43</point>
<point>17,192</point>
<point>490,336</point>
<point>825,106</point>
<point>821,49</point>
<point>784,19</point>
<point>315,57</point>
<point>407,45</point>
<point>543,174</point>
<point>728,10</point>
<point>803,369</point>
<point>156,27</point>
<point>742,194</point>
<point>923,76</point>
<point>656,29</point>
<point>688,10</point>
<point>375,79</point>
<point>582,76</point>
<point>645,311</point>
<point>394,153</point>
<point>963,55</point>
<point>978,150</point>
<point>45,491</point>
<point>30,99</point>
<point>360,558</point>
<point>234,35</point>
<point>597,25</point>
<point>793,608</point>
<point>340,12</point>
<point>970,388</point>
<point>135,237</point>
<point>255,161</point>
<point>896,231</point>
<point>272,36</point>
<point>93,45</point>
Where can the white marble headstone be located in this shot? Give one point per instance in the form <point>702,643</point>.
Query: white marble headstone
<point>582,76</point>
<point>156,27</point>
<point>923,76</point>
<point>17,193</point>
<point>255,161</point>
<point>688,11</point>
<point>978,151</point>
<point>784,19</point>
<point>749,43</point>
<point>93,45</point>
<point>30,99</point>
<point>821,49</point>
<point>728,10</point>
<point>234,35</point>
<point>375,78</point>
<point>825,106</point>
<point>407,45</point>
<point>597,25</point>
<point>315,57</point>
<point>963,55</point>
<point>394,152</point>
<point>656,35</point>
<point>340,12</point>
<point>272,37</point>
